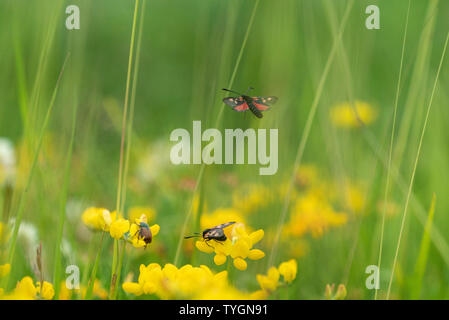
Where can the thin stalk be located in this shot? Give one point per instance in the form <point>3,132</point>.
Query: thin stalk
<point>390,152</point>
<point>125,109</point>
<point>412,178</point>
<point>113,267</point>
<point>119,271</point>
<point>132,105</point>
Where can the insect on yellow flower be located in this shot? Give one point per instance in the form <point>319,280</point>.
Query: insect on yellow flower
<point>239,247</point>
<point>141,234</point>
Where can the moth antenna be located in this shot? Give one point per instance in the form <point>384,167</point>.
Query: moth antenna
<point>232,91</point>
<point>193,236</point>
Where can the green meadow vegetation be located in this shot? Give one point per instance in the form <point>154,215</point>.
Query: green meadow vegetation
<point>85,123</point>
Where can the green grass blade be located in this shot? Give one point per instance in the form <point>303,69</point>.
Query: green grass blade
<point>62,209</point>
<point>390,152</point>
<point>423,255</point>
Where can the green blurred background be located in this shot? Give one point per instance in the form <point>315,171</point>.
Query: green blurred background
<point>189,52</point>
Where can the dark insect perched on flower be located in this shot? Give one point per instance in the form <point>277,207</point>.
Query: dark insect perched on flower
<point>140,233</point>
<point>244,102</point>
<point>144,233</point>
<point>215,233</point>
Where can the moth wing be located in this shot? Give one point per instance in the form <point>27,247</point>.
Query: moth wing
<point>264,103</point>
<point>237,103</point>
<point>224,225</point>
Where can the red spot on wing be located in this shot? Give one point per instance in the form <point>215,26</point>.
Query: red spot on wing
<point>261,107</point>
<point>241,107</point>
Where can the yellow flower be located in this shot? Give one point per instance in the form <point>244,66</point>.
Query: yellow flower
<point>238,245</point>
<point>98,218</point>
<point>24,290</point>
<point>312,213</point>
<point>187,282</point>
<point>47,291</point>
<point>288,270</point>
<point>345,115</point>
<point>5,269</point>
<point>137,212</point>
<point>269,282</point>
<point>118,228</point>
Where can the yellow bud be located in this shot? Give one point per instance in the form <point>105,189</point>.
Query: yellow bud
<point>256,254</point>
<point>288,270</point>
<point>256,236</point>
<point>328,291</point>
<point>219,259</point>
<point>202,246</point>
<point>240,264</point>
<point>131,287</point>
<point>341,292</point>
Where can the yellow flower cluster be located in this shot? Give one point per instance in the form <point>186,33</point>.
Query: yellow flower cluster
<point>239,247</point>
<point>270,281</point>
<point>26,290</point>
<point>313,213</point>
<point>118,227</point>
<point>98,218</point>
<point>345,115</point>
<point>187,282</point>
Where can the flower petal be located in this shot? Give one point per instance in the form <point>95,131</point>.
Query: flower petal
<point>240,264</point>
<point>256,254</point>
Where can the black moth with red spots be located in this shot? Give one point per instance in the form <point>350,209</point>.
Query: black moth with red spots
<point>254,104</point>
<point>215,233</point>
